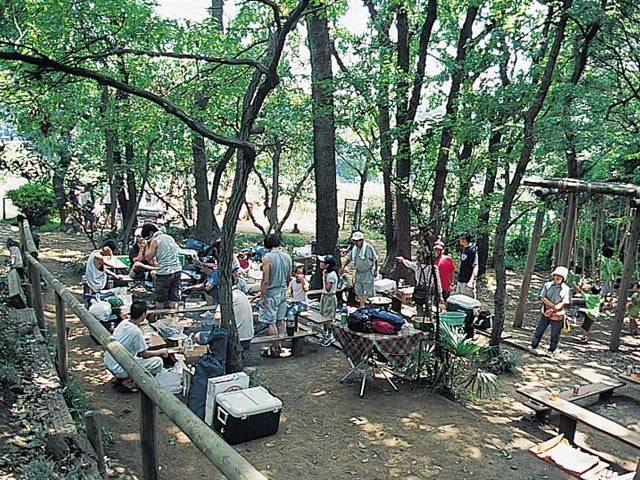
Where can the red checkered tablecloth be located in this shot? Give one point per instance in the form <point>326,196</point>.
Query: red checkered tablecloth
<point>396,349</point>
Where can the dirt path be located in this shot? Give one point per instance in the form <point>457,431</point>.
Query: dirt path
<point>327,432</point>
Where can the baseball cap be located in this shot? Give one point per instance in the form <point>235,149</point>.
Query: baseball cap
<point>439,244</point>
<point>328,259</point>
<point>138,232</point>
<point>355,236</point>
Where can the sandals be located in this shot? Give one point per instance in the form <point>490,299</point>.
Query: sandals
<point>270,353</point>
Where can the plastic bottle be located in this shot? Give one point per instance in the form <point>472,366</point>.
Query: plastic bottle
<point>181,304</point>
<point>292,325</point>
<point>344,314</point>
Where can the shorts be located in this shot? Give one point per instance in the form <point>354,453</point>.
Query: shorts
<point>464,290</point>
<point>586,323</point>
<point>328,305</point>
<point>274,309</point>
<point>137,274</point>
<point>366,289</point>
<point>168,287</point>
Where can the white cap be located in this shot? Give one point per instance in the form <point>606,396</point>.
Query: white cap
<point>138,232</point>
<point>561,271</point>
<point>355,236</point>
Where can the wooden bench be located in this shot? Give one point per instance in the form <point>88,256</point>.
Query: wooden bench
<point>603,389</point>
<point>315,319</point>
<point>571,414</point>
<point>297,341</point>
<point>17,297</point>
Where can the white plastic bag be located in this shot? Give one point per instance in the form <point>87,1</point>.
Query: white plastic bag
<point>101,310</point>
<point>171,380</point>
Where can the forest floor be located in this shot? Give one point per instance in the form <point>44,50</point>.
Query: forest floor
<point>328,432</point>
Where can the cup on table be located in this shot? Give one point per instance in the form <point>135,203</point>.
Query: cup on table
<point>553,393</point>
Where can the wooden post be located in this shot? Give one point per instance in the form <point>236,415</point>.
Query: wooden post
<point>627,274</point>
<point>36,291</point>
<point>28,293</point>
<point>63,355</point>
<point>637,475</point>
<point>528,269</point>
<point>148,437</point>
<point>94,434</point>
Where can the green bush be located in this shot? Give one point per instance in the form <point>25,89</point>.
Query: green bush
<point>373,218</point>
<point>35,200</point>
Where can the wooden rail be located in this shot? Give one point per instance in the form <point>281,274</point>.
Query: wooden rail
<point>225,458</point>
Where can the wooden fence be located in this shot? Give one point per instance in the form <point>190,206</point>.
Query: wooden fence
<point>153,395</point>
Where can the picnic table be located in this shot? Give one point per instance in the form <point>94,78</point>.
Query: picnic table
<point>364,350</point>
<point>633,379</point>
<point>571,414</point>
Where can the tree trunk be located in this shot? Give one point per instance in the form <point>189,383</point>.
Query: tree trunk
<point>536,234</point>
<point>204,212</point>
<point>323,138</point>
<point>357,214</point>
<point>627,275</point>
<point>491,173</point>
<point>500,296</point>
<point>59,177</point>
<point>451,112</point>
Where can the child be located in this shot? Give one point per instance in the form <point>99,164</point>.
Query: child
<point>128,333</point>
<point>633,309</point>
<point>555,296</point>
<point>298,288</point>
<point>328,300</point>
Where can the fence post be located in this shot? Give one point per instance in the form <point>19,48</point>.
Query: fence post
<point>61,324</point>
<point>94,434</point>
<point>36,291</point>
<point>148,437</point>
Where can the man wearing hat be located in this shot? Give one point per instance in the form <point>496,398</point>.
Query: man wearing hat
<point>139,266</point>
<point>446,268</point>
<point>555,296</point>
<point>365,260</point>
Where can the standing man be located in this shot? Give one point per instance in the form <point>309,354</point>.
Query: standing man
<point>276,273</point>
<point>162,252</point>
<point>365,259</point>
<point>468,266</point>
<point>446,269</point>
<point>555,297</point>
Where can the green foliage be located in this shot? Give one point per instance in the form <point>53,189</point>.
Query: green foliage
<point>35,200</point>
<point>461,371</point>
<point>372,219</point>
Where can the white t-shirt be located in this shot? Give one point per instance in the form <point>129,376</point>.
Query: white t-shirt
<point>244,315</point>
<point>96,278</point>
<point>298,293</point>
<point>130,336</point>
<point>331,278</point>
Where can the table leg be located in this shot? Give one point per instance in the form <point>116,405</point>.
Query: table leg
<point>364,381</point>
<point>387,378</point>
<point>396,305</point>
<point>567,426</point>
<point>353,369</point>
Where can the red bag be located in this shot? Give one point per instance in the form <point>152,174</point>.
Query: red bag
<point>380,326</point>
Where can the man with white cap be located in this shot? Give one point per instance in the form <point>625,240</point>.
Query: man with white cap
<point>555,296</point>
<point>365,260</point>
<point>139,266</point>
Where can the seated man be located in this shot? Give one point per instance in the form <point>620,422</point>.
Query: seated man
<point>96,270</point>
<point>129,335</point>
<point>140,267</point>
<point>210,287</point>
<point>243,314</point>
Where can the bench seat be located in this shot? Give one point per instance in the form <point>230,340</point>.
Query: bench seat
<point>603,389</point>
<point>571,414</point>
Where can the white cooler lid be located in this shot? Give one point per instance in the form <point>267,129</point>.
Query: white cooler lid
<point>463,301</point>
<point>251,401</point>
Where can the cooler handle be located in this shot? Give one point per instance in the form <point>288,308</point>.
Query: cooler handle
<point>220,414</point>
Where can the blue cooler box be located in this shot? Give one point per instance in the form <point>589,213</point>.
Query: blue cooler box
<point>468,305</point>
<point>244,415</point>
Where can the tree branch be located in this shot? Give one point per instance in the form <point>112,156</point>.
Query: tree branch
<point>47,64</point>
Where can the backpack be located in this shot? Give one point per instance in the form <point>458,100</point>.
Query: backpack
<point>483,320</point>
<point>359,322</point>
<point>374,313</point>
<point>383,327</point>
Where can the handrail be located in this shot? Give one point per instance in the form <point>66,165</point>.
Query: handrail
<point>225,458</point>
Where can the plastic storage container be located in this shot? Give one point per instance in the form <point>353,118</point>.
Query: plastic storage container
<point>467,305</point>
<point>219,385</point>
<point>247,414</point>
<point>453,319</point>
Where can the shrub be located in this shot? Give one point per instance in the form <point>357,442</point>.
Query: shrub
<point>35,201</point>
<point>373,218</point>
